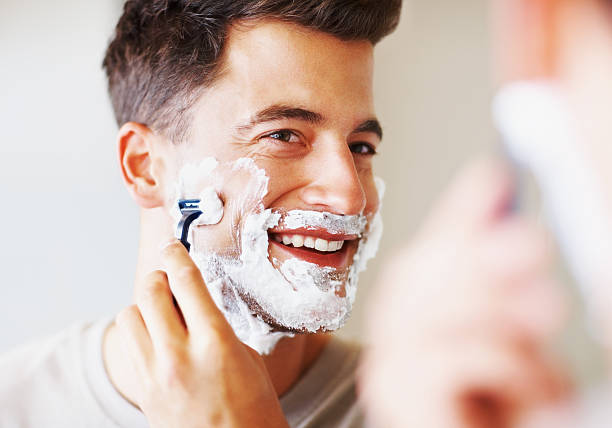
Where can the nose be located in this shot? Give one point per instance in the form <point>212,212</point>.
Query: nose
<point>335,186</point>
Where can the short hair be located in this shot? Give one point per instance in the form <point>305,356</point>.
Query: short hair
<point>165,52</point>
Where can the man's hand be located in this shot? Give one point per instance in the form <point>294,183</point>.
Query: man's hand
<point>192,369</point>
<point>459,321</point>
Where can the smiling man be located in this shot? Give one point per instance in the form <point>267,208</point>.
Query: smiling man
<point>262,110</point>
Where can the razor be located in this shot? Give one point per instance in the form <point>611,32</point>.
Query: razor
<point>190,210</point>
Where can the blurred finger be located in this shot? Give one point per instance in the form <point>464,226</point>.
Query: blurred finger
<point>516,247</point>
<point>538,309</point>
<point>520,378</point>
<point>479,194</point>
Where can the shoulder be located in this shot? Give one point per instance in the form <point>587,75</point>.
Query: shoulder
<point>43,346</point>
<point>41,380</point>
<point>32,359</point>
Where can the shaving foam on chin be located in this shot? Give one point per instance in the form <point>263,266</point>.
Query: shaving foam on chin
<point>256,294</point>
<point>537,127</point>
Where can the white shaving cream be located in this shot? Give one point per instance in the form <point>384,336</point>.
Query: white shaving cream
<point>256,294</point>
<point>334,224</point>
<point>212,211</point>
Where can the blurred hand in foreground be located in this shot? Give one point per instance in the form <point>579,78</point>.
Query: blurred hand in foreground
<point>461,318</point>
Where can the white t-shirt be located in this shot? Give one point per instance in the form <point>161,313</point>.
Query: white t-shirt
<point>61,382</point>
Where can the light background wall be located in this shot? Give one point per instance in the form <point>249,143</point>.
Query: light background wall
<point>68,227</point>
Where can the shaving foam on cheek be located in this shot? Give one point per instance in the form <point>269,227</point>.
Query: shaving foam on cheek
<point>254,293</point>
<point>368,247</point>
<point>189,186</point>
<point>212,208</point>
<point>219,272</point>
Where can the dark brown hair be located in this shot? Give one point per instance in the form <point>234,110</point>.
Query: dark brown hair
<point>165,51</point>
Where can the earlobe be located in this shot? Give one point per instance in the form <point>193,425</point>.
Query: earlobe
<point>136,155</point>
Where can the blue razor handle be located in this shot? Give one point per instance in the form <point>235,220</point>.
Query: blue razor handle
<point>190,209</point>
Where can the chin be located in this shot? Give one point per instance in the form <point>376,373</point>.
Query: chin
<point>344,313</point>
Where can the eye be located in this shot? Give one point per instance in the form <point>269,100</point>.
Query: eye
<point>283,135</point>
<point>362,148</point>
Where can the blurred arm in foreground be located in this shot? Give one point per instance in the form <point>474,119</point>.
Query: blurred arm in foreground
<point>462,318</point>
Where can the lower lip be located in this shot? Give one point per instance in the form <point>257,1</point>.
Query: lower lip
<point>336,259</point>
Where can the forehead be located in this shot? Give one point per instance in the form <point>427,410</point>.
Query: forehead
<point>269,63</point>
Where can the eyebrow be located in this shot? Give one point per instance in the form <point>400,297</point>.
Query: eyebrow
<point>370,125</point>
<point>281,112</point>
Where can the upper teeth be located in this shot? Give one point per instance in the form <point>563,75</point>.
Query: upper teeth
<point>309,242</point>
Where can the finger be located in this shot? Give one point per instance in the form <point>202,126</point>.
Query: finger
<point>538,310</point>
<point>517,376</point>
<point>515,248</point>
<point>134,336</point>
<point>481,193</point>
<point>160,316</point>
<point>187,285</point>
<point>562,414</point>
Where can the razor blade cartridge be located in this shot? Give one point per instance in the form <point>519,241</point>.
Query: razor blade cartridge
<point>190,210</point>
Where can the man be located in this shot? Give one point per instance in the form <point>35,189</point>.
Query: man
<point>274,90</point>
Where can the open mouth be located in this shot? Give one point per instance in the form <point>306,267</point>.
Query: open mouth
<point>314,247</point>
<point>319,245</point>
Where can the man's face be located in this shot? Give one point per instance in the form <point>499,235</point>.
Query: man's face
<point>299,104</point>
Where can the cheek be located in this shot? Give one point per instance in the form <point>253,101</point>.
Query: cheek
<point>373,204</point>
<point>284,179</point>
<point>371,194</point>
<point>287,177</point>
<point>241,186</point>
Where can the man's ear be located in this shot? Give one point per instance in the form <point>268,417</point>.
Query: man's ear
<point>136,158</point>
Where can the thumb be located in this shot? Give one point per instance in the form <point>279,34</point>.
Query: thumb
<point>481,194</point>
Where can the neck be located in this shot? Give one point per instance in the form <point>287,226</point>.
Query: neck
<point>292,357</point>
<point>285,364</point>
<point>155,231</point>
